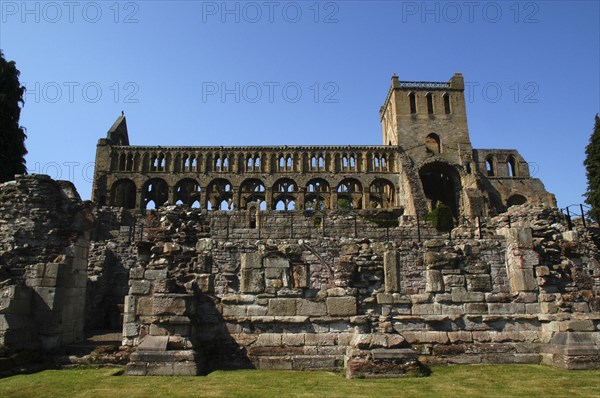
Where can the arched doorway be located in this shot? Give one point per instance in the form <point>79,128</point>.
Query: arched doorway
<point>441,185</point>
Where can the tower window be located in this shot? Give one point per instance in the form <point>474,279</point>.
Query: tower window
<point>512,166</point>
<point>429,97</point>
<point>447,103</point>
<point>432,143</point>
<point>489,166</point>
<point>413,103</point>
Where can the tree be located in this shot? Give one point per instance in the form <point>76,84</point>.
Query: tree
<point>592,167</point>
<point>12,136</point>
<point>441,218</point>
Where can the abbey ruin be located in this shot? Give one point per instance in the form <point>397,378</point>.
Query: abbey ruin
<point>311,257</point>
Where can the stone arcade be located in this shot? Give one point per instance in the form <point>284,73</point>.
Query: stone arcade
<point>305,257</point>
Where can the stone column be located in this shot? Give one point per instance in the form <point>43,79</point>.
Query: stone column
<point>391,271</point>
<point>521,259</point>
<point>269,197</point>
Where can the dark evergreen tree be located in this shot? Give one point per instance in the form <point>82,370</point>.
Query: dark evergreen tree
<point>592,167</point>
<point>12,135</point>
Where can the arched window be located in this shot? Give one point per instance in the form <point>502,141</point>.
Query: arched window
<point>511,164</point>
<point>219,195</point>
<point>155,193</point>
<point>432,143</point>
<point>381,194</point>
<point>252,191</point>
<point>489,166</point>
<point>225,166</point>
<point>123,194</point>
<point>187,192</point>
<point>281,163</point>
<point>516,200</point>
<point>413,102</point>
<point>429,98</point>
<point>446,103</point>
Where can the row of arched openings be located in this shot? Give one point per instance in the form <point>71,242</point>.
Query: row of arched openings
<point>412,100</point>
<point>186,162</point>
<point>491,166</point>
<point>219,194</point>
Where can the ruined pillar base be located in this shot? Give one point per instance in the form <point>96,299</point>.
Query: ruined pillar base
<point>152,358</point>
<point>382,363</point>
<point>166,363</point>
<point>572,351</point>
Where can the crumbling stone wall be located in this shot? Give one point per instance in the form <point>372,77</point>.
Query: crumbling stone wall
<point>44,238</point>
<point>372,304</point>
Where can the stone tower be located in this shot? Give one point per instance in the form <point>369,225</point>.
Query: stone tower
<point>427,118</point>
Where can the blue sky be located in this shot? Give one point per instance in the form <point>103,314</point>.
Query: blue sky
<point>301,73</point>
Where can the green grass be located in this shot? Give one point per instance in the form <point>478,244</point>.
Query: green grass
<point>455,381</point>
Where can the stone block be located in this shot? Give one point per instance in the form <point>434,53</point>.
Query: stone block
<point>341,306</point>
<point>427,309</point>
<point>144,306</point>
<point>476,308</point>
<point>461,295</point>
<point>153,343</point>
<point>155,274</point>
<point>453,309</point>
<point>420,298</point>
<point>292,339</point>
<point>252,280</point>
<point>234,311</point>
<point>385,298</point>
<point>130,304</point>
<point>522,280</point>
<point>520,237</point>
<point>169,305</point>
<point>583,325</point>
<point>140,287</point>
<point>282,307</point>
<point>275,363</point>
<point>391,271</point>
<point>314,362</point>
<point>130,330</point>
<point>268,340</point>
<point>204,245</point>
<point>435,282</point>
<point>256,310</point>
<point>311,308</point>
<point>276,262</point>
<point>479,283</point>
<point>437,260</point>
<point>136,273</point>
<point>506,308</point>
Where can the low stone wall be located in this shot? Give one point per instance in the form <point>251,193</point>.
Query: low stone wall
<point>306,303</point>
<point>378,293</point>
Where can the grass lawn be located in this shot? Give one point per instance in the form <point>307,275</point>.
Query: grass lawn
<point>455,381</point>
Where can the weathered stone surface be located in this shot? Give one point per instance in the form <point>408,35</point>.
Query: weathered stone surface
<point>341,306</point>
<point>435,282</point>
<point>391,271</point>
<point>282,307</point>
<point>311,308</point>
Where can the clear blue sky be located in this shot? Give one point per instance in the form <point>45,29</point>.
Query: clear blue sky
<point>533,68</point>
